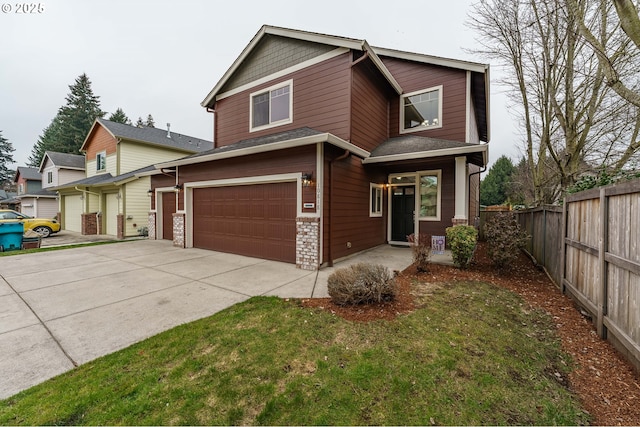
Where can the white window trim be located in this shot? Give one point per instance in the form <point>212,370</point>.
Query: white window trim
<point>102,153</point>
<point>421,128</point>
<point>379,191</point>
<point>438,174</point>
<point>279,122</point>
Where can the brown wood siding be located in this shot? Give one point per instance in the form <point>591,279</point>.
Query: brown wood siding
<point>349,220</point>
<point>252,220</point>
<point>168,209</point>
<point>100,140</point>
<point>160,181</point>
<point>414,77</point>
<point>370,109</point>
<point>294,160</point>
<point>474,195</point>
<point>320,101</point>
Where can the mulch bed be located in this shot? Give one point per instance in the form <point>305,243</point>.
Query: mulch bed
<point>607,384</point>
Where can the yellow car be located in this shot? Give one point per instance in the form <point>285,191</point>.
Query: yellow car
<point>42,226</point>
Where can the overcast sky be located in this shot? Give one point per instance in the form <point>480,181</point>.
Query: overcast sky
<point>163,57</point>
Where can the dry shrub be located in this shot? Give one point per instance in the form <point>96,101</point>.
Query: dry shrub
<point>421,251</point>
<point>361,283</point>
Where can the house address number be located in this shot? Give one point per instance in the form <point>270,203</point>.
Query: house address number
<point>309,205</point>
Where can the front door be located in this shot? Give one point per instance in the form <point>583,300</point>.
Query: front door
<point>403,205</point>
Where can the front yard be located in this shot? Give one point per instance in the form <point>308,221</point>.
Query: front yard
<point>456,348</point>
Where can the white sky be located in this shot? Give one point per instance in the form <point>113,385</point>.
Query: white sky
<point>162,57</point>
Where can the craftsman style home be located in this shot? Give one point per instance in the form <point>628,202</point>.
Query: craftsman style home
<point>113,196</point>
<point>326,146</point>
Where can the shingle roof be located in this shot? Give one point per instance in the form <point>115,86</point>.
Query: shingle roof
<point>38,193</point>
<point>29,173</point>
<point>68,160</point>
<point>156,136</point>
<point>261,140</point>
<point>105,178</point>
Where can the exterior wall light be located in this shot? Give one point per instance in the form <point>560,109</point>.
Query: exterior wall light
<point>177,188</point>
<point>307,179</point>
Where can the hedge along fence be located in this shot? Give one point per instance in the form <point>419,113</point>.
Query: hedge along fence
<point>591,248</point>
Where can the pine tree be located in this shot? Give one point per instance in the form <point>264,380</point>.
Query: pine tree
<point>6,159</point>
<point>150,123</point>
<point>494,188</point>
<point>120,117</point>
<point>139,123</point>
<point>70,127</point>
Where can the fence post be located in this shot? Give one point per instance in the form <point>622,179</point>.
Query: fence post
<point>602,249</point>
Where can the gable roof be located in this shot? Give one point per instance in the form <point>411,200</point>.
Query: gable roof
<point>63,160</point>
<point>28,173</point>
<point>151,136</point>
<point>106,179</point>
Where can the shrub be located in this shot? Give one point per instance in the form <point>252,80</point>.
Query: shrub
<point>505,239</point>
<point>421,251</point>
<point>361,283</point>
<point>462,241</point>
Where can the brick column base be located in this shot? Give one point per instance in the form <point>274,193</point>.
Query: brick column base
<point>120,226</point>
<point>308,243</point>
<point>151,227</point>
<point>90,224</point>
<point>178,230</point>
<point>460,221</point>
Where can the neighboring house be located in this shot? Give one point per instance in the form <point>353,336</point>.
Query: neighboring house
<point>113,198</point>
<point>31,199</point>
<point>326,146</point>
<point>8,200</point>
<point>55,169</point>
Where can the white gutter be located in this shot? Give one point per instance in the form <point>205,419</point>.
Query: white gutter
<point>457,151</point>
<point>291,143</point>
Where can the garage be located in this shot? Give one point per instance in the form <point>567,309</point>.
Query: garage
<point>73,213</point>
<point>256,220</point>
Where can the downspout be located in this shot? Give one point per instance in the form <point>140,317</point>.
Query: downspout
<point>484,169</point>
<point>331,162</point>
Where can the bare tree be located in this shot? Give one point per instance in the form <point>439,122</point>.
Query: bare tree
<point>567,109</point>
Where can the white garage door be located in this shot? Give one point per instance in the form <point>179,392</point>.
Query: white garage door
<point>72,220</point>
<point>111,214</point>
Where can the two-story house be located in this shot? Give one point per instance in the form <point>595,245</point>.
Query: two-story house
<point>113,197</point>
<point>325,146</point>
<point>31,199</point>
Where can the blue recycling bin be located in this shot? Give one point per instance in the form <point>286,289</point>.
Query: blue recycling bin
<point>11,236</point>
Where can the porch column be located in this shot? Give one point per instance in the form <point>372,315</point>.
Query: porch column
<point>462,192</point>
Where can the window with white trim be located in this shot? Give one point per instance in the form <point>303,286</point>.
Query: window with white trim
<point>421,110</point>
<point>272,106</point>
<point>430,195</point>
<point>375,199</point>
<point>101,161</point>
<point>49,177</point>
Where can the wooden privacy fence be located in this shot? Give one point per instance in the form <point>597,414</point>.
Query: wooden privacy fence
<point>591,249</point>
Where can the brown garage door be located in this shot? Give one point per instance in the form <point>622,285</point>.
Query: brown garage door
<point>168,209</point>
<point>253,220</point>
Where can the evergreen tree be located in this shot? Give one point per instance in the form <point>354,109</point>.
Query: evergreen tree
<point>494,188</point>
<point>70,127</point>
<point>139,123</point>
<point>120,117</point>
<point>150,123</point>
<point>6,159</point>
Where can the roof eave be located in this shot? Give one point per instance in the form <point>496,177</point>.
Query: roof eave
<point>290,143</point>
<point>457,151</point>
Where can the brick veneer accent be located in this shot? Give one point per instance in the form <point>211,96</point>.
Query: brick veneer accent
<point>178,230</point>
<point>90,224</point>
<point>459,221</point>
<point>152,226</point>
<point>307,243</point>
<point>120,226</point>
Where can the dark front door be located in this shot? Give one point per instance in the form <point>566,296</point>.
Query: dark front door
<point>403,204</point>
<point>168,209</point>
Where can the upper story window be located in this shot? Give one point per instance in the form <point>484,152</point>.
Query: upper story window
<point>272,106</point>
<point>421,110</point>
<point>49,177</point>
<point>21,188</point>
<point>101,161</point>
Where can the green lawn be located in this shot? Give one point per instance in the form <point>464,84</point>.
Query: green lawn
<point>472,354</point>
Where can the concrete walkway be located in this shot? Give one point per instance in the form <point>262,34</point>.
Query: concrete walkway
<point>64,308</point>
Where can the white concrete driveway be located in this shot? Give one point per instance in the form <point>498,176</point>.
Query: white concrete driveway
<point>63,308</point>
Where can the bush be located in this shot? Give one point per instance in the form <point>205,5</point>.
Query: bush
<point>361,284</point>
<point>462,241</point>
<point>421,251</point>
<point>505,239</point>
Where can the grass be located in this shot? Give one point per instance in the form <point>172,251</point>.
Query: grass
<point>472,354</point>
<point>56,248</point>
